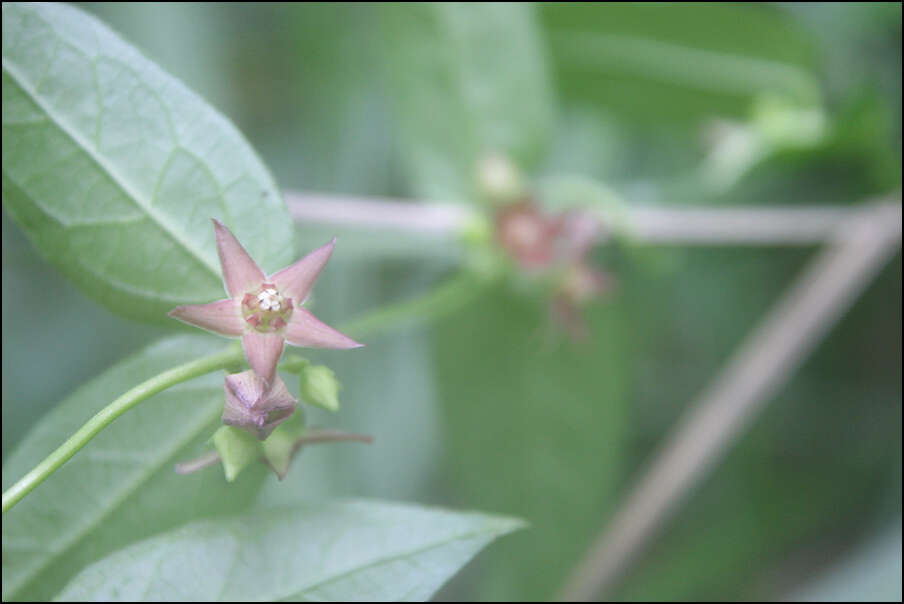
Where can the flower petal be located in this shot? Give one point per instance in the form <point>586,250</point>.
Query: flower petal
<point>296,281</point>
<point>223,317</point>
<point>263,351</point>
<point>241,274</point>
<point>306,330</point>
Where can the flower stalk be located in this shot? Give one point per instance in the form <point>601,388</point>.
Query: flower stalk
<point>227,358</point>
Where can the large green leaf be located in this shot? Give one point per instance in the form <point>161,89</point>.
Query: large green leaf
<point>655,63</point>
<point>469,79</point>
<point>121,487</point>
<point>333,551</point>
<point>536,426</point>
<point>114,168</point>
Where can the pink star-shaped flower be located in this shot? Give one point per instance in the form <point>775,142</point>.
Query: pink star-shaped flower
<point>265,310</point>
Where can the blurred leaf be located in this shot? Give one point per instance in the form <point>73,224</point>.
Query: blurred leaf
<point>369,245</point>
<point>311,100</point>
<point>871,573</point>
<point>536,426</point>
<point>121,487</point>
<point>469,79</point>
<point>859,44</point>
<point>812,467</point>
<point>114,169</point>
<point>34,294</point>
<point>665,62</point>
<point>333,551</point>
<point>807,472</point>
<point>345,139</point>
<point>854,158</point>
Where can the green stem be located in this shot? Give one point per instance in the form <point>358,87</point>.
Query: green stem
<point>444,299</point>
<point>223,359</point>
<point>440,301</point>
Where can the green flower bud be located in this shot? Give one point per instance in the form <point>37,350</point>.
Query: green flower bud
<point>499,180</point>
<point>320,387</point>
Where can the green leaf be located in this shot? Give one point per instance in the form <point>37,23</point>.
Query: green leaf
<point>333,551</point>
<point>121,487</point>
<point>114,168</point>
<point>469,80</point>
<point>535,426</point>
<point>658,63</point>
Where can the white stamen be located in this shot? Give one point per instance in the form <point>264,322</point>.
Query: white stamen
<point>269,299</point>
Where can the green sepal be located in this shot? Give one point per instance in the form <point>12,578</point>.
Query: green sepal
<point>280,446</point>
<point>237,449</point>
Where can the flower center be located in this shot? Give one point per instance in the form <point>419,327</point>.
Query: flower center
<point>266,310</point>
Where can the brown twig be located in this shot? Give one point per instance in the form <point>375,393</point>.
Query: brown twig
<point>775,349</point>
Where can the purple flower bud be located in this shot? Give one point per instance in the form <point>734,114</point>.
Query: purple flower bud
<point>252,406</point>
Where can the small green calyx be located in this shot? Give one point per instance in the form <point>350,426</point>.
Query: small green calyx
<point>266,310</point>
<point>237,450</point>
<point>281,446</point>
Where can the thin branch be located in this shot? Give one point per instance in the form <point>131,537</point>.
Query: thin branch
<point>443,299</point>
<point>739,225</point>
<point>331,436</point>
<point>769,356</point>
<point>223,359</point>
<point>377,213</point>
<point>790,225</point>
<point>205,461</point>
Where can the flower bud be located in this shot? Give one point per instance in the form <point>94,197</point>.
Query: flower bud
<point>527,234</point>
<point>499,180</point>
<point>320,387</point>
<point>253,407</point>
